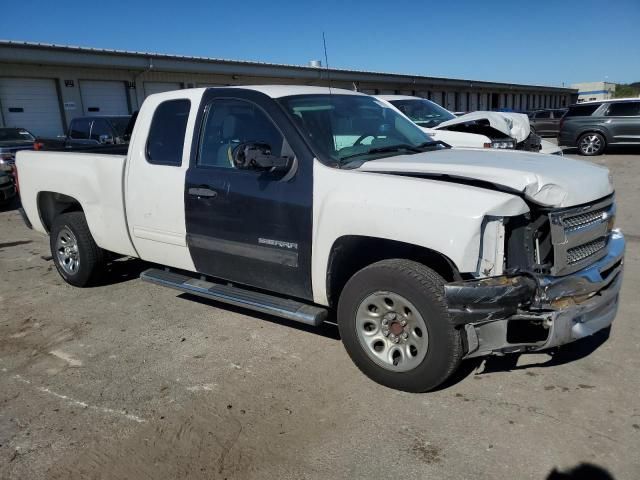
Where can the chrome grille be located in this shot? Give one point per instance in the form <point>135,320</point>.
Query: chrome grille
<point>577,254</point>
<point>579,235</point>
<point>583,220</point>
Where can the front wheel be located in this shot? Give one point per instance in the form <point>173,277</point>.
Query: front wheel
<point>396,328</point>
<point>75,254</point>
<point>591,144</point>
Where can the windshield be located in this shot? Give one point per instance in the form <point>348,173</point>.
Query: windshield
<point>423,112</point>
<point>15,135</point>
<point>120,125</point>
<point>345,127</point>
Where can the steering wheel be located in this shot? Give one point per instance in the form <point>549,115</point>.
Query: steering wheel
<point>362,137</point>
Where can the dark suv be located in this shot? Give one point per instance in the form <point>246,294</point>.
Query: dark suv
<point>546,123</point>
<point>592,126</point>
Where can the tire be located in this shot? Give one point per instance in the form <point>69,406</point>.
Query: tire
<point>436,352</point>
<point>75,254</point>
<point>591,144</point>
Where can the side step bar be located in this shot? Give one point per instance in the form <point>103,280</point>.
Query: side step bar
<point>260,302</point>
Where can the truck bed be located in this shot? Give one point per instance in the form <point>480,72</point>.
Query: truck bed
<point>95,181</point>
<point>63,145</point>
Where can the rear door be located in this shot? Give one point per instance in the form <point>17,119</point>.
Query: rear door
<point>248,226</point>
<point>543,122</point>
<point>623,121</point>
<point>156,164</point>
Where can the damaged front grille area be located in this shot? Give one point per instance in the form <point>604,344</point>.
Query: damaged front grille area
<point>579,235</point>
<point>582,252</point>
<point>583,220</point>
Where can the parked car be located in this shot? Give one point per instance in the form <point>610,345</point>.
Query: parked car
<point>592,126</point>
<point>546,123</point>
<point>107,134</point>
<point>7,188</point>
<point>503,130</point>
<point>298,201</point>
<point>11,141</point>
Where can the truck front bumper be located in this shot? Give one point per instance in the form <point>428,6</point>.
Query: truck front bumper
<point>525,313</point>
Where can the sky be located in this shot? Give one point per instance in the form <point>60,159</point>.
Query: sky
<point>542,42</point>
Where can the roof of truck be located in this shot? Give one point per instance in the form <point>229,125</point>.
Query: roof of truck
<point>274,91</point>
<point>389,98</point>
<point>277,91</point>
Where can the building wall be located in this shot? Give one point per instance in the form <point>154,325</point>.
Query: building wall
<point>590,91</point>
<point>68,80</point>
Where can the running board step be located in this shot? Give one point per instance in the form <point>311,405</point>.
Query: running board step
<point>240,297</point>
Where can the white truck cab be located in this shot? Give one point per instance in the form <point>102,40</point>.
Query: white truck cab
<point>305,202</point>
<point>500,130</point>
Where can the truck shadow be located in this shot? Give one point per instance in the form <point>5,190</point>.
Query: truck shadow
<point>122,270</point>
<point>583,471</point>
<point>328,329</point>
<point>559,356</point>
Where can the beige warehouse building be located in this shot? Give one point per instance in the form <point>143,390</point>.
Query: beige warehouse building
<point>42,86</point>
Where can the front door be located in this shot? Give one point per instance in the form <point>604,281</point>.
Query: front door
<point>623,121</point>
<point>247,226</point>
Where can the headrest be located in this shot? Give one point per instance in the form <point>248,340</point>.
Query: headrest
<point>229,126</point>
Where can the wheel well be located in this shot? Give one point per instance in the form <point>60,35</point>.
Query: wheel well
<point>352,253</point>
<point>593,130</point>
<point>51,205</point>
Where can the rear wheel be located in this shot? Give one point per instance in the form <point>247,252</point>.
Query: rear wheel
<point>396,328</point>
<point>75,254</point>
<point>591,144</point>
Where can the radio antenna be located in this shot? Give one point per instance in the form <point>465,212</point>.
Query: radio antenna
<point>326,61</point>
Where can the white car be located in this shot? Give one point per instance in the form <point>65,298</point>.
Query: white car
<point>298,201</point>
<point>481,129</point>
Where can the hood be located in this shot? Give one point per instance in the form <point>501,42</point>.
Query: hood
<point>548,180</point>
<point>514,125</point>
<point>458,139</point>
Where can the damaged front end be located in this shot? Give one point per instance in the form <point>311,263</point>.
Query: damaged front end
<point>536,311</point>
<point>505,129</point>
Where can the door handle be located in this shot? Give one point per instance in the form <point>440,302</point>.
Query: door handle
<point>202,192</point>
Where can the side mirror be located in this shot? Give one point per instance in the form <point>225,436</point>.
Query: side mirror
<point>257,156</point>
<point>105,139</point>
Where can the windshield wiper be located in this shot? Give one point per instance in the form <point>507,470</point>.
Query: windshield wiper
<point>423,147</point>
<point>390,148</point>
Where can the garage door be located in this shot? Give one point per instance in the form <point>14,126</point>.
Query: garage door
<point>104,98</point>
<point>31,103</point>
<point>158,87</point>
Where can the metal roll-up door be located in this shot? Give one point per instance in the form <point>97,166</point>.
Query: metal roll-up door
<point>104,97</point>
<point>158,87</point>
<point>31,103</point>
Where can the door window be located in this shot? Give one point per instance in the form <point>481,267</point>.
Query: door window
<point>624,109</point>
<point>230,122</point>
<point>542,115</point>
<point>166,134</point>
<point>80,128</point>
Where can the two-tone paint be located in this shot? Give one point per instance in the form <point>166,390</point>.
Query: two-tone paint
<point>278,233</point>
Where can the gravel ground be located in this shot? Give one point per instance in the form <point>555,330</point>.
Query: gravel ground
<point>130,380</point>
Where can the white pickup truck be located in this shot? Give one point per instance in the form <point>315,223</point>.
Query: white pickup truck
<point>503,130</point>
<point>306,203</point>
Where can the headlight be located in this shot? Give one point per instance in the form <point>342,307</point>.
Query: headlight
<point>503,144</point>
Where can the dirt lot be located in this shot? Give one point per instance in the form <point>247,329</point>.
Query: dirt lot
<point>130,380</point>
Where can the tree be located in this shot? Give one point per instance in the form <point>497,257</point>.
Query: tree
<point>624,90</point>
